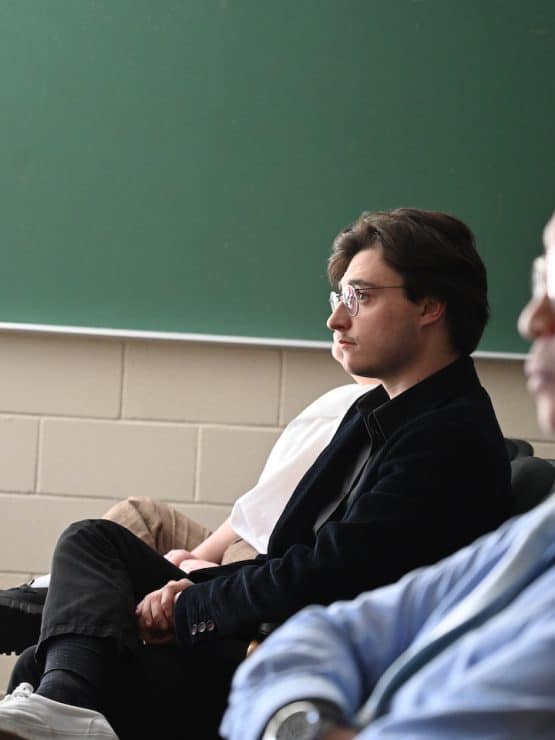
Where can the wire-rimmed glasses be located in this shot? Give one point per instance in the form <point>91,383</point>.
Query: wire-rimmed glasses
<point>350,296</point>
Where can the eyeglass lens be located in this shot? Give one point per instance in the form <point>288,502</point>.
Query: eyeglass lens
<point>348,297</point>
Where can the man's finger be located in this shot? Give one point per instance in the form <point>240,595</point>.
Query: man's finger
<point>159,621</point>
<point>167,601</point>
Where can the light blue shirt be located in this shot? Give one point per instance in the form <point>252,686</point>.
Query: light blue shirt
<point>497,681</point>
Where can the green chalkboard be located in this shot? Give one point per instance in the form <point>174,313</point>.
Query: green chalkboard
<point>183,165</point>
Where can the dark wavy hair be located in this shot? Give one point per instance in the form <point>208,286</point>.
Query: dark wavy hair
<point>436,256</point>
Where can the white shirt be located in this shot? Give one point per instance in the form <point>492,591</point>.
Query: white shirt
<point>256,512</point>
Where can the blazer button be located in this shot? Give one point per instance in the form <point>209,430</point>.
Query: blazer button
<point>210,626</point>
<point>194,629</point>
<point>201,626</point>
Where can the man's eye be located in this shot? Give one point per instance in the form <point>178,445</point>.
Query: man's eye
<point>362,295</point>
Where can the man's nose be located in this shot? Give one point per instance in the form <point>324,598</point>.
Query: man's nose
<point>537,318</point>
<point>340,318</point>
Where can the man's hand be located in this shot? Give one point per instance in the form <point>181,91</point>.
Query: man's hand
<point>195,564</point>
<point>177,556</point>
<point>187,561</point>
<point>155,612</point>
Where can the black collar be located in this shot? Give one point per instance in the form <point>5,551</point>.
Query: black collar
<point>383,416</point>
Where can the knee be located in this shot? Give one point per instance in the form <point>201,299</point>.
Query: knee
<point>74,528</point>
<point>128,509</point>
<point>85,529</point>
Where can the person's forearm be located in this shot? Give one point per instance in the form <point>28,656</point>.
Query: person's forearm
<point>214,546</point>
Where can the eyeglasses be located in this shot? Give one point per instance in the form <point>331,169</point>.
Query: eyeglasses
<point>543,276</point>
<point>350,296</point>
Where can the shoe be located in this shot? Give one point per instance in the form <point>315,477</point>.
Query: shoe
<point>28,716</point>
<point>20,617</point>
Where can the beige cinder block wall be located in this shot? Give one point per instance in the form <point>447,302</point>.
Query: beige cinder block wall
<point>87,421</point>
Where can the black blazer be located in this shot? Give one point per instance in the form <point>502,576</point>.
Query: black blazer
<point>440,478</point>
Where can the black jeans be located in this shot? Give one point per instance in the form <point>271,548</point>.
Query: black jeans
<point>100,571</point>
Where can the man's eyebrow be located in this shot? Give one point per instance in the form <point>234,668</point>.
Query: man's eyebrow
<point>358,283</point>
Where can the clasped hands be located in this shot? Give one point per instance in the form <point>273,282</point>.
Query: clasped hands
<point>155,612</point>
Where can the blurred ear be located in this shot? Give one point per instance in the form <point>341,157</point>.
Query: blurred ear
<point>431,310</point>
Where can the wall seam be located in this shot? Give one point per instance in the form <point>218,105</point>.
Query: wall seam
<point>281,397</point>
<point>123,373</point>
<point>38,450</point>
<point>198,461</point>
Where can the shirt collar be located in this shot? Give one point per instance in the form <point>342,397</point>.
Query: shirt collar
<point>383,416</point>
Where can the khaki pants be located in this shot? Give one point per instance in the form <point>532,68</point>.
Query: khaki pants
<point>164,528</point>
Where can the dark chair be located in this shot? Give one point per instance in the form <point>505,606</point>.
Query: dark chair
<point>532,480</point>
<point>518,448</point>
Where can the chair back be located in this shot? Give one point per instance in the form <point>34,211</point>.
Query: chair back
<point>532,480</point>
<point>518,448</point>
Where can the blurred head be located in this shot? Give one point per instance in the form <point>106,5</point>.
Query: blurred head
<point>537,322</point>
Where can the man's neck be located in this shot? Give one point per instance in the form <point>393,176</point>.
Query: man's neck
<point>401,383</point>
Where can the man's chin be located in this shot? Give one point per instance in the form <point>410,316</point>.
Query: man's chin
<point>359,372</point>
<point>351,367</point>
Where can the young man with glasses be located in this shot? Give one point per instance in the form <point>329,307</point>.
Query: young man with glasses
<point>416,469</point>
<point>462,649</point>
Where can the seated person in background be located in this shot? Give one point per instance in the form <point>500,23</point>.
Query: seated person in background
<point>462,649</point>
<point>185,542</point>
<point>129,645</point>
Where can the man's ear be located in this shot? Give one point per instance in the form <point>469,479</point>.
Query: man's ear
<point>431,310</point>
